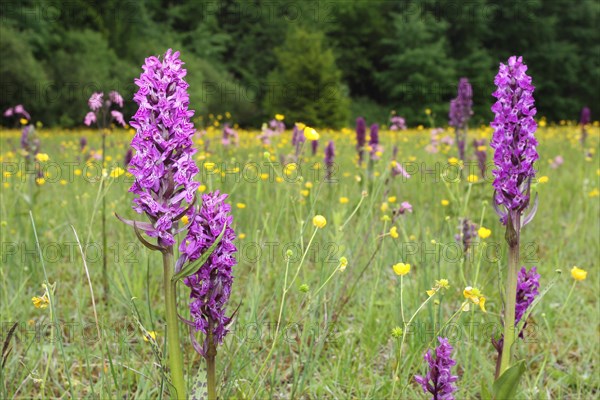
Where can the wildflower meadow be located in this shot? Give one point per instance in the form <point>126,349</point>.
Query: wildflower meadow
<point>159,247</point>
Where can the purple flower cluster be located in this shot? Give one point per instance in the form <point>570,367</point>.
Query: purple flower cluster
<point>468,232</point>
<point>461,107</point>
<point>397,123</point>
<point>100,109</point>
<point>439,380</point>
<point>513,140</point>
<point>16,111</point>
<point>329,157</point>
<point>374,142</point>
<point>585,116</point>
<point>211,284</point>
<point>163,164</point>
<point>528,285</point>
<point>460,113</point>
<point>361,137</point>
<point>230,135</point>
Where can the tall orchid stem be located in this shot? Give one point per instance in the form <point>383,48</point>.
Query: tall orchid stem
<point>512,237</point>
<point>173,342</point>
<point>211,355</point>
<point>104,250</point>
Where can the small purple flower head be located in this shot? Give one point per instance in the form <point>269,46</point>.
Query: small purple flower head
<point>82,143</point>
<point>461,107</point>
<point>118,117</point>
<point>405,207</point>
<point>528,284</point>
<point>19,109</point>
<point>585,116</point>
<point>229,135</point>
<point>9,112</point>
<point>314,146</point>
<point>90,118</point>
<point>116,98</point>
<point>398,169</point>
<point>361,132</point>
<point>513,139</point>
<point>468,232</point>
<point>397,123</point>
<point>211,284</point>
<point>95,101</point>
<point>163,164</point>
<point>439,380</point>
<point>361,137</point>
<point>374,136</point>
<point>329,158</point>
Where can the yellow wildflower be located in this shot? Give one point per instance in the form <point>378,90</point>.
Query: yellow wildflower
<point>279,117</point>
<point>319,221</point>
<point>472,178</point>
<point>240,205</point>
<point>344,200</point>
<point>475,296</point>
<point>394,232</point>
<point>578,274</point>
<point>152,334</point>
<point>343,264</point>
<point>392,199</point>
<point>311,134</point>
<point>543,179</point>
<point>42,157</point>
<point>117,172</point>
<point>401,269</point>
<point>40,302</point>
<point>484,232</point>
<point>444,202</point>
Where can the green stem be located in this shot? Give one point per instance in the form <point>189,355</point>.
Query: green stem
<point>568,298</point>
<point>173,342</point>
<point>511,292</point>
<point>104,250</point>
<point>211,354</point>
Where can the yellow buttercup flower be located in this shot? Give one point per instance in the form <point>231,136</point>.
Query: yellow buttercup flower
<point>240,205</point>
<point>117,172</point>
<point>428,111</point>
<point>384,207</point>
<point>279,117</point>
<point>308,185</point>
<point>401,269</point>
<point>241,236</point>
<point>594,193</point>
<point>344,200</point>
<point>23,121</point>
<point>472,178</point>
<point>185,220</point>
<point>444,202</point>
<point>305,193</point>
<point>40,302</point>
<point>439,284</point>
<point>475,296</point>
<point>394,232</point>
<point>392,199</point>
<point>300,126</point>
<point>578,274</point>
<point>201,188</point>
<point>40,181</point>
<point>343,264</point>
<point>543,179</point>
<point>42,157</point>
<point>453,161</point>
<point>319,221</point>
<point>484,232</point>
<point>311,134</point>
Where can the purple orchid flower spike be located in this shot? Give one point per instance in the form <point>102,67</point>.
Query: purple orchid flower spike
<point>361,136</point>
<point>439,380</point>
<point>514,141</point>
<point>460,113</point>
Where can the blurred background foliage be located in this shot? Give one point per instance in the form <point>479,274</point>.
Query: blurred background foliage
<point>322,62</point>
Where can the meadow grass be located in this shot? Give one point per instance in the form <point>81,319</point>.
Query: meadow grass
<point>334,343</point>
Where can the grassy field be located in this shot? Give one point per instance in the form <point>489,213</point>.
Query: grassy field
<point>335,333</point>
